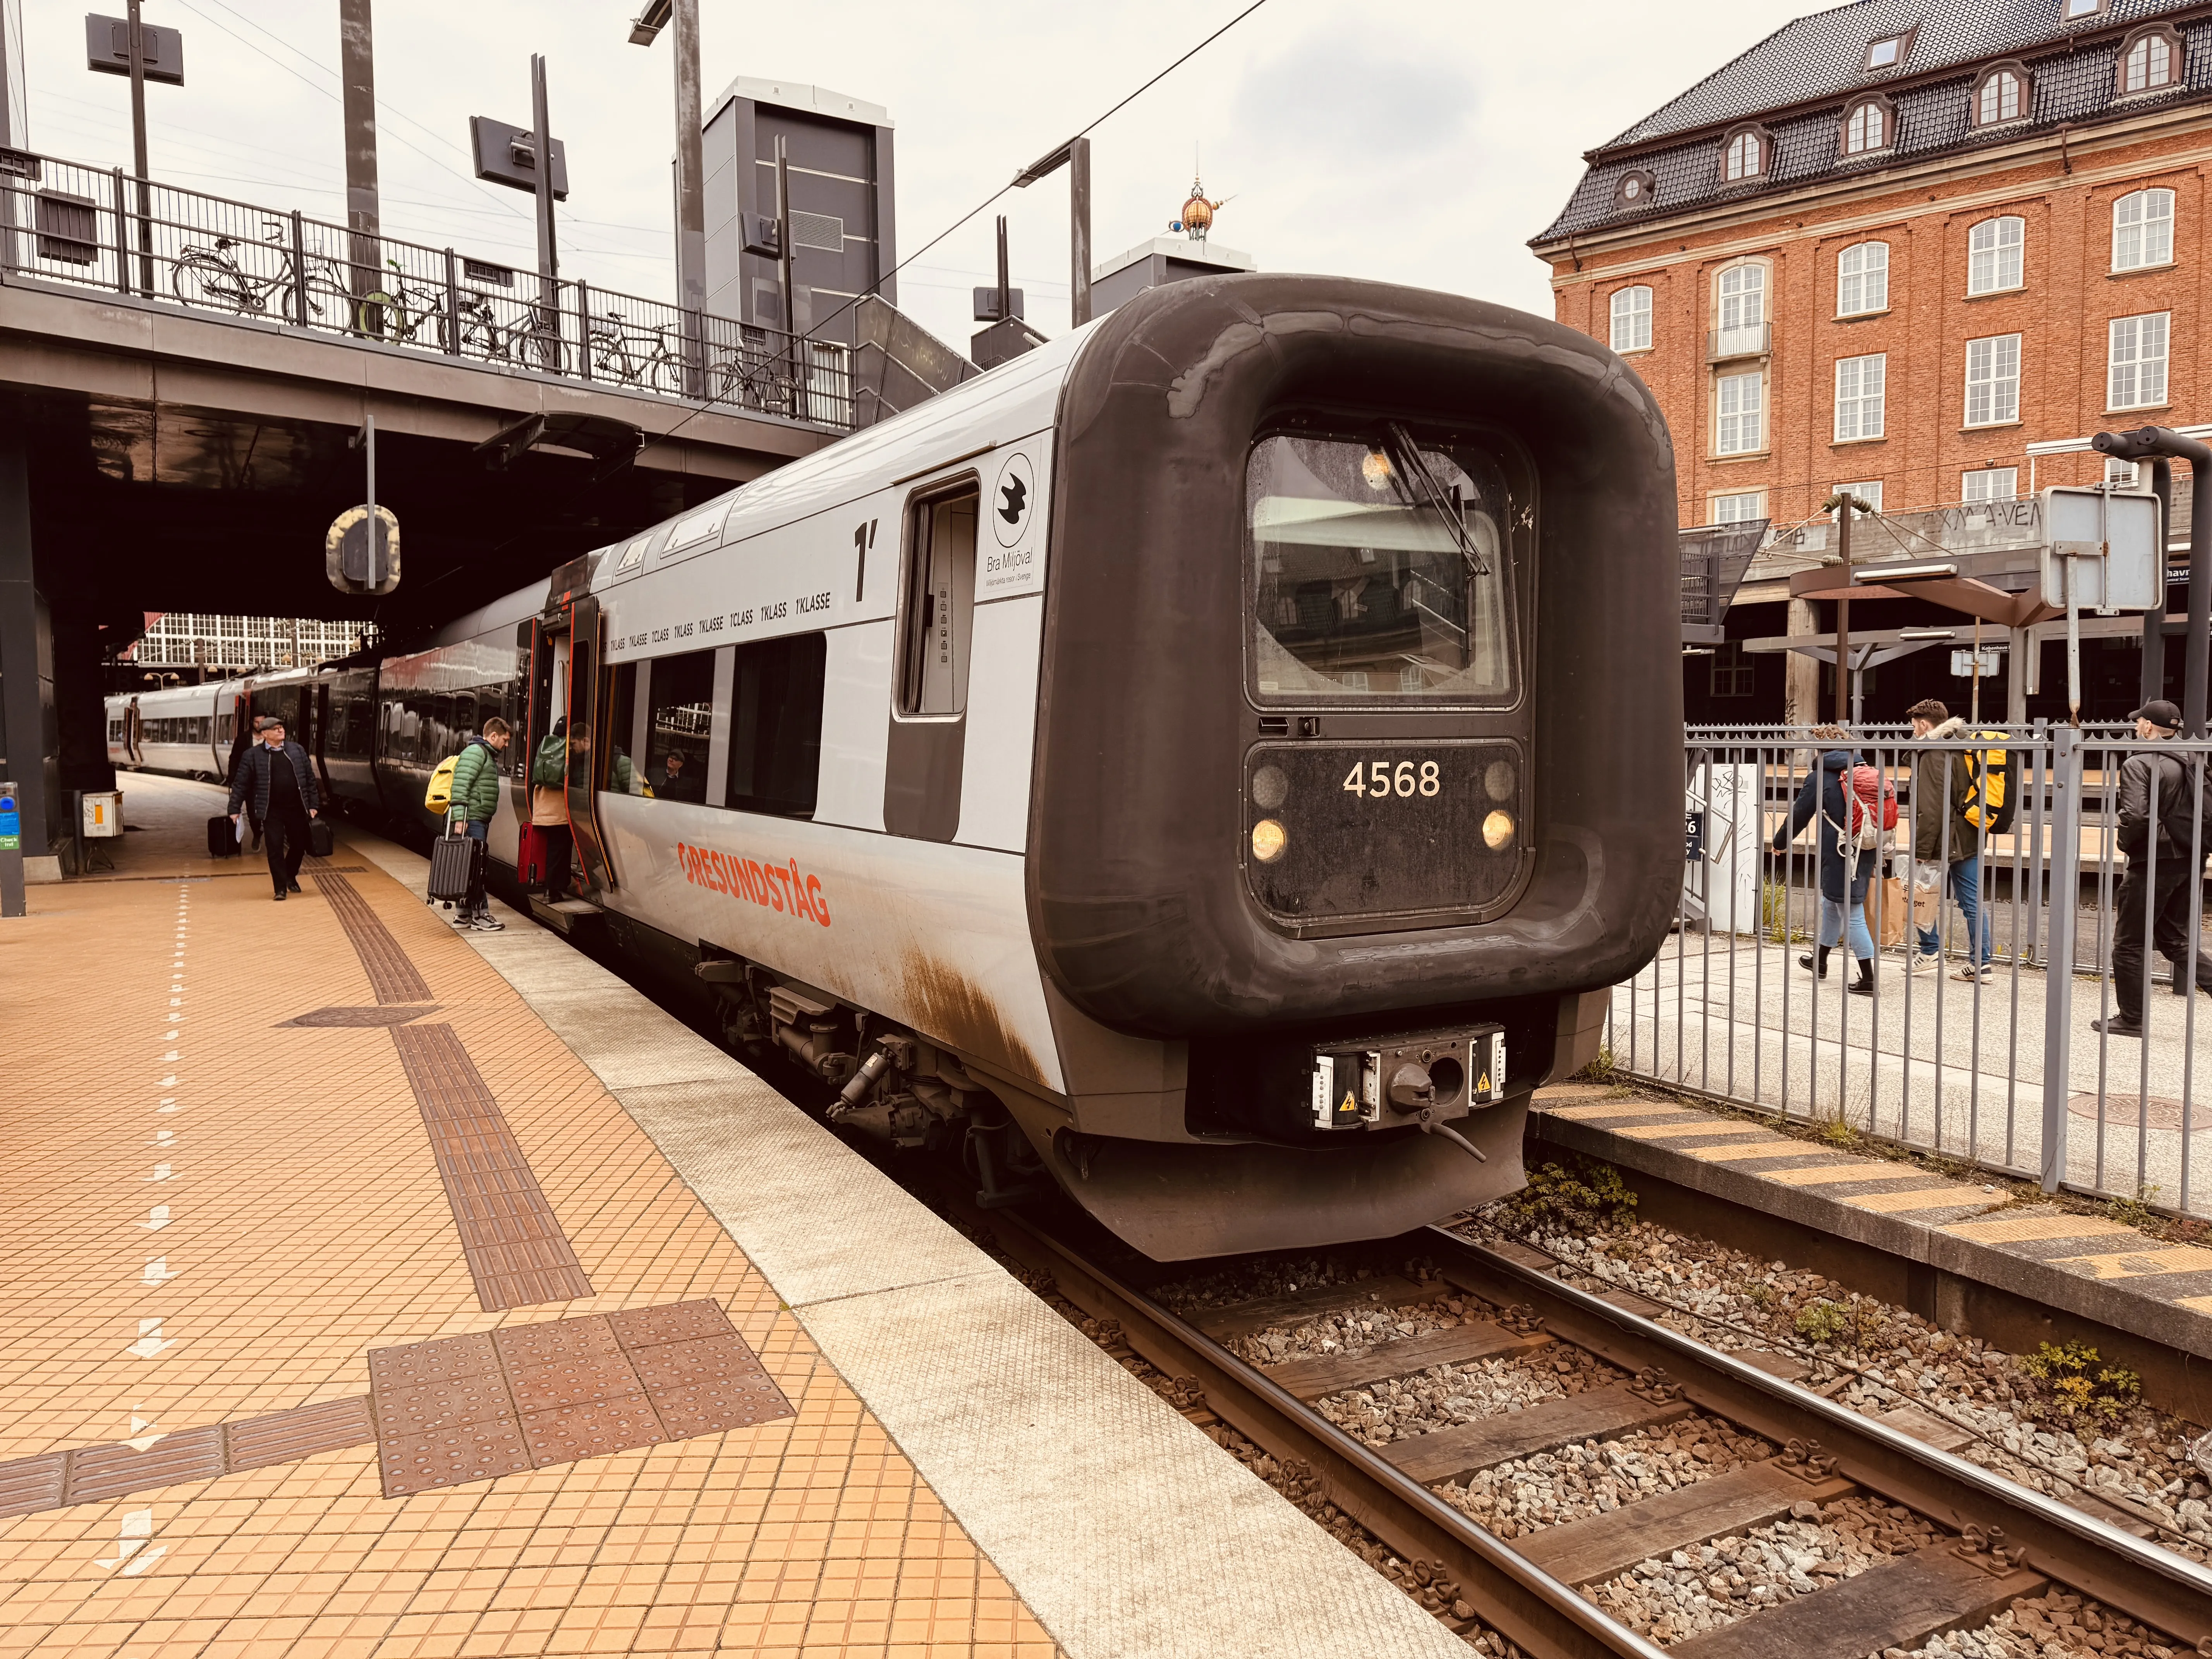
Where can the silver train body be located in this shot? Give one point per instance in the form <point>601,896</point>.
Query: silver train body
<point>1214,763</point>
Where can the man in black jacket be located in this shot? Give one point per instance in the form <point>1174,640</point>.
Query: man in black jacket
<point>275,783</point>
<point>2154,896</point>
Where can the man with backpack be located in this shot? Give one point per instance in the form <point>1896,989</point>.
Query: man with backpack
<point>2158,813</point>
<point>1952,803</point>
<point>474,801</point>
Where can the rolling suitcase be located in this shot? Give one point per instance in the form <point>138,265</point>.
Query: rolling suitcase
<point>222,837</point>
<point>455,861</point>
<point>322,839</point>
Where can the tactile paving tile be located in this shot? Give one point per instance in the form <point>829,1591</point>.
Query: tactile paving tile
<point>570,1432</point>
<point>420,1462</point>
<point>572,1382</point>
<point>714,1406</point>
<point>693,1364</point>
<point>677,1322</point>
<point>391,974</point>
<point>430,1362</point>
<point>373,1016</point>
<point>32,1483</point>
<point>553,1340</point>
<point>98,1473</point>
<point>452,1402</point>
<point>255,1442</point>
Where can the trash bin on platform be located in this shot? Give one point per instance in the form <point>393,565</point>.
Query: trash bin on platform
<point>101,813</point>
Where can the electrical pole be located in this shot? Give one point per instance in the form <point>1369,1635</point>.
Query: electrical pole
<point>1079,231</point>
<point>137,47</point>
<point>783,240</point>
<point>357,74</point>
<point>1845,506</point>
<point>541,139</point>
<point>691,173</point>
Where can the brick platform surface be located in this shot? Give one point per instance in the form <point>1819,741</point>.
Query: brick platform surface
<point>214,1214</point>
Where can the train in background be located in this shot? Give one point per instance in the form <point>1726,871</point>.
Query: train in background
<point>1215,763</point>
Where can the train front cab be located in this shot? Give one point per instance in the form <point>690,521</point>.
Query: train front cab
<point>1355,768</point>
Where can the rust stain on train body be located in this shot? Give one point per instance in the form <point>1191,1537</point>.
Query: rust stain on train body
<point>952,1009</point>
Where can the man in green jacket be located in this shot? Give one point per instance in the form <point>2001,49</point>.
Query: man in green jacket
<point>474,801</point>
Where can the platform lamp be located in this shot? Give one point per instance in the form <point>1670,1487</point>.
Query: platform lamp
<point>690,166</point>
<point>1075,156</point>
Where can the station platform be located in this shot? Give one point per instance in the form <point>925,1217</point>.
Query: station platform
<point>379,1289</point>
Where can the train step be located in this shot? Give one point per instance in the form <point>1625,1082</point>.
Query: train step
<point>568,915</point>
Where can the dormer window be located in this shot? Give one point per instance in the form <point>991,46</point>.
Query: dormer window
<point>1888,53</point>
<point>2150,61</point>
<point>1867,126</point>
<point>2001,95</point>
<point>2074,11</point>
<point>1745,154</point>
<point>1634,189</point>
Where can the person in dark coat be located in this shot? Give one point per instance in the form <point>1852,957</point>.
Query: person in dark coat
<point>274,784</point>
<point>2154,891</point>
<point>1844,879</point>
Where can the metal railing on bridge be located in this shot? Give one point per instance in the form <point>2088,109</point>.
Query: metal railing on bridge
<point>2027,1065</point>
<point>63,222</point>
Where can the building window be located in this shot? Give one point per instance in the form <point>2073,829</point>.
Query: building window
<point>1744,154</point>
<point>1739,405</point>
<point>2142,230</point>
<point>1739,509</point>
<point>2151,61</point>
<point>1863,279</point>
<point>2135,362</point>
<point>1869,493</point>
<point>1731,670</point>
<point>1991,483</point>
<point>1741,290</point>
<point>2121,474</point>
<point>1632,319</point>
<point>1867,127</point>
<point>1859,397</point>
<point>2073,11</point>
<point>1634,188</point>
<point>1993,255</point>
<point>1889,52</point>
<point>2002,96</point>
<point>1993,381</point>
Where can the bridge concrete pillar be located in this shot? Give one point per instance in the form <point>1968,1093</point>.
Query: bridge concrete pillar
<point>28,735</point>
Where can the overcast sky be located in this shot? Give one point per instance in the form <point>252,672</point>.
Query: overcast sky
<point>1421,142</point>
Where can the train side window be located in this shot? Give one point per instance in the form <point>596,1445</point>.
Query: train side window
<point>939,604</point>
<point>679,701</point>
<point>775,726</point>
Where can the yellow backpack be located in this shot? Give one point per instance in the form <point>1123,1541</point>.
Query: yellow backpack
<point>1990,801</point>
<point>438,797</point>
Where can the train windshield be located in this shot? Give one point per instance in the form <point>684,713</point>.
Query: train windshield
<point>1378,570</point>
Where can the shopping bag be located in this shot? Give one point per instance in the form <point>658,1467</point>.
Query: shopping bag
<point>1927,906</point>
<point>1895,907</point>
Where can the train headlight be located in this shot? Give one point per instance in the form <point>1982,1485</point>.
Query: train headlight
<point>1496,831</point>
<point>1269,840</point>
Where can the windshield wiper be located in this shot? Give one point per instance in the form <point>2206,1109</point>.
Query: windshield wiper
<point>1409,458</point>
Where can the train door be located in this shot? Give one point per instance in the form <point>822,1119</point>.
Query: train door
<point>134,734</point>
<point>926,751</point>
<point>318,699</point>
<point>566,684</point>
<point>241,728</point>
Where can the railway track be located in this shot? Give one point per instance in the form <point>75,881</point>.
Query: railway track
<point>1994,1542</point>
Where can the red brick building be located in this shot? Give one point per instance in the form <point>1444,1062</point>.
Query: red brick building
<point>1892,247</point>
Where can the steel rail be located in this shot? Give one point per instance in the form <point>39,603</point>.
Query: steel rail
<point>2152,1585</point>
<point>1545,1618</point>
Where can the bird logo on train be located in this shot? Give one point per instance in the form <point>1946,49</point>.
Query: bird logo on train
<point>1016,492</point>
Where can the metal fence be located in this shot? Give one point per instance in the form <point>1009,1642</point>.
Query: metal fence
<point>1970,1038</point>
<point>63,222</point>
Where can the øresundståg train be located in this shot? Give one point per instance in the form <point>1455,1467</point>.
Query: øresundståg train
<point>1215,763</point>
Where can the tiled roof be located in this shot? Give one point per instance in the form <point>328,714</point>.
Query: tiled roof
<point>1820,56</point>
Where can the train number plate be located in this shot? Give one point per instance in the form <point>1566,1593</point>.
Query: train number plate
<point>1344,831</point>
